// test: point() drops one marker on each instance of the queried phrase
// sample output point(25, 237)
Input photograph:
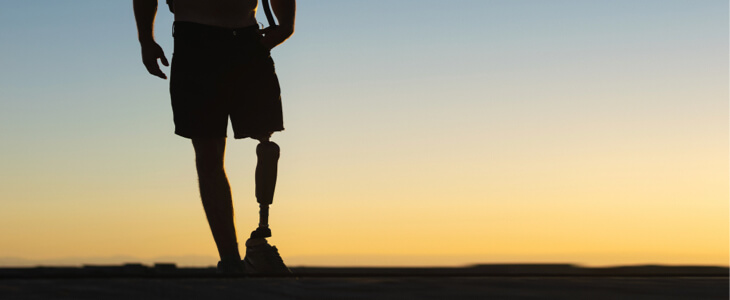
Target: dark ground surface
point(369, 288)
point(513, 281)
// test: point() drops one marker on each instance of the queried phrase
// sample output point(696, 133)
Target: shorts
point(219, 73)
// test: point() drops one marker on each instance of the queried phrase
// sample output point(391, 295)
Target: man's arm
point(285, 12)
point(144, 13)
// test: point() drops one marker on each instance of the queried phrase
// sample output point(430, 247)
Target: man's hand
point(274, 36)
point(285, 12)
point(151, 52)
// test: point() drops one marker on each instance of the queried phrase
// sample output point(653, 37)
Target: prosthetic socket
point(266, 169)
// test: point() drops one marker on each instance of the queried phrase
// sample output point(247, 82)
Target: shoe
point(264, 259)
point(231, 267)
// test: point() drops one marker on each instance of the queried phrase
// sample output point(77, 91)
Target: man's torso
point(222, 13)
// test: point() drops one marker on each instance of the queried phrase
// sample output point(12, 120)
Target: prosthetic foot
point(266, 169)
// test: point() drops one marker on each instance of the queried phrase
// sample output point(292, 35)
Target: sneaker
point(264, 259)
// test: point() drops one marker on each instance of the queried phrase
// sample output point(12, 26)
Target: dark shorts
point(219, 73)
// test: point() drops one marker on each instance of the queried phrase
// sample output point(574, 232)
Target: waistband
point(191, 28)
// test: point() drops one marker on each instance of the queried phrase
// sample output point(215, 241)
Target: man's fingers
point(154, 69)
point(265, 30)
point(158, 73)
point(274, 36)
point(150, 54)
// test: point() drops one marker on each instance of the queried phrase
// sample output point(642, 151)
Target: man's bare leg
point(216, 195)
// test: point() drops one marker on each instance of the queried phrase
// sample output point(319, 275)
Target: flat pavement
point(557, 281)
point(369, 288)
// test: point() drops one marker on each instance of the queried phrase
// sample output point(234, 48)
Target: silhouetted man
point(222, 68)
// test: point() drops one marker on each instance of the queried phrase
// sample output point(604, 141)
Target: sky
point(418, 132)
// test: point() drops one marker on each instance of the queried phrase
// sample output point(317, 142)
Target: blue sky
point(393, 110)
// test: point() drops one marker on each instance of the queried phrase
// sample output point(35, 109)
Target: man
point(222, 68)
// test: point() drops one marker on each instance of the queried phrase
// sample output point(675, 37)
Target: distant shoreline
point(169, 270)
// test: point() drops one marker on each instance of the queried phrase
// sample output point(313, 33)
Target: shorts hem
point(250, 134)
point(191, 136)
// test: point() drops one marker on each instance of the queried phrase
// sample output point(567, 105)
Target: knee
point(209, 157)
point(268, 150)
point(209, 147)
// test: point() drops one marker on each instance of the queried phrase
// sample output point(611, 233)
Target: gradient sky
point(419, 132)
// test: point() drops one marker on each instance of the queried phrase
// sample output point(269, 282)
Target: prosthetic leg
point(262, 258)
point(266, 169)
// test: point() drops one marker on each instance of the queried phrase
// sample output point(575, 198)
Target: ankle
point(231, 256)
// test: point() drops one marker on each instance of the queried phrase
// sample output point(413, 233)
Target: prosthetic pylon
point(266, 169)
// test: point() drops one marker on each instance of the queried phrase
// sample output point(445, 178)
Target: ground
point(369, 288)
